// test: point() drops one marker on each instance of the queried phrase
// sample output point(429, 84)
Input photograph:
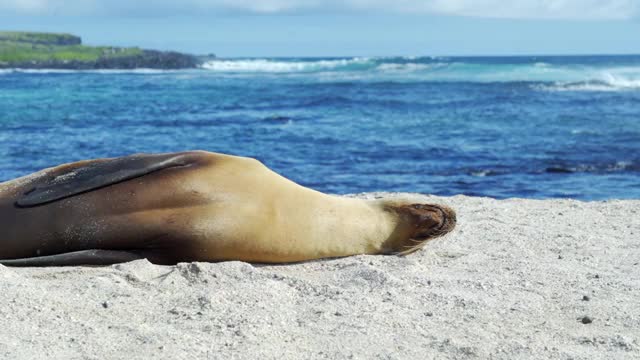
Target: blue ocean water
point(534, 127)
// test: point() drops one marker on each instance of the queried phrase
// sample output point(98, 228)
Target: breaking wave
point(286, 66)
point(540, 73)
point(547, 75)
point(607, 82)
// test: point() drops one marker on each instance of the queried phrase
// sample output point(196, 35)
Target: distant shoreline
point(32, 50)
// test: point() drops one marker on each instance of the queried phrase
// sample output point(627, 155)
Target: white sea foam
point(620, 166)
point(282, 66)
point(358, 64)
point(585, 132)
point(603, 86)
point(596, 79)
point(579, 87)
point(480, 173)
point(566, 77)
point(630, 81)
point(407, 67)
point(547, 76)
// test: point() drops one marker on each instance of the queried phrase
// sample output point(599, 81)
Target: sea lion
point(196, 206)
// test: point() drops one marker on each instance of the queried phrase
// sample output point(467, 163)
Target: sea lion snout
point(419, 223)
point(431, 220)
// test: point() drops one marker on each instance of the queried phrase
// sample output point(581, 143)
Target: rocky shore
point(150, 59)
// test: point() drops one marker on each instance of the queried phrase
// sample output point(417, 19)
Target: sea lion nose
point(430, 217)
point(421, 223)
point(433, 220)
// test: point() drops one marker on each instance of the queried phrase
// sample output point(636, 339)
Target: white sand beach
point(517, 279)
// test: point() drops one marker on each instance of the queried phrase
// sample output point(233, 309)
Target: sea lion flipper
point(74, 180)
point(84, 257)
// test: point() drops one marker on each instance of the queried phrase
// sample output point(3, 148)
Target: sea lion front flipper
point(98, 174)
point(84, 257)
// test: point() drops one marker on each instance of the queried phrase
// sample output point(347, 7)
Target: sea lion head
point(417, 224)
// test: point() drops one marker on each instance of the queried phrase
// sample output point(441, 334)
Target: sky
point(255, 28)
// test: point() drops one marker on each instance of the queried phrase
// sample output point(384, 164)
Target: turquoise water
point(535, 127)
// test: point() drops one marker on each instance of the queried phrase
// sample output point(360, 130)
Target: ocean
point(531, 127)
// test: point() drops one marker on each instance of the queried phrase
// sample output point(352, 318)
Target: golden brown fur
point(218, 207)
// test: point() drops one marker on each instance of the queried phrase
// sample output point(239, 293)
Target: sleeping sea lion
point(196, 206)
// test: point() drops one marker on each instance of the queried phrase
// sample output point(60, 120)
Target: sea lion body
point(196, 206)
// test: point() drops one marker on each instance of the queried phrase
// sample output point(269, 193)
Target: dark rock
point(558, 170)
point(150, 59)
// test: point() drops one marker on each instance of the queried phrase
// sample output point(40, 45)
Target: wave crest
point(548, 75)
point(542, 74)
point(607, 81)
point(283, 66)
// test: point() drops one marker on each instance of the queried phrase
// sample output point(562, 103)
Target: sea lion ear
point(94, 175)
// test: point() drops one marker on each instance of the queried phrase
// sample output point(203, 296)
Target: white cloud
point(37, 7)
point(510, 9)
point(536, 9)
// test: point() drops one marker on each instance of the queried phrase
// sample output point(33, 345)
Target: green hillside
point(16, 47)
point(35, 50)
point(40, 38)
